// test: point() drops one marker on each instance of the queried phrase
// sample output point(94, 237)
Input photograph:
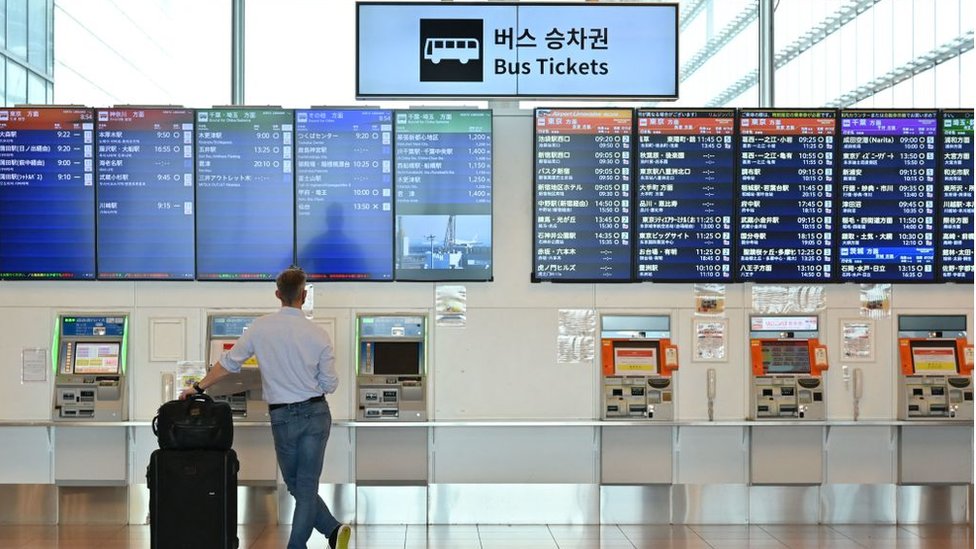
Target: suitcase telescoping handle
point(199, 397)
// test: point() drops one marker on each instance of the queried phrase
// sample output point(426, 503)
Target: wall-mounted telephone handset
point(710, 389)
point(167, 387)
point(858, 391)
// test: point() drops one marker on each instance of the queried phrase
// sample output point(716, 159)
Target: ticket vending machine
point(391, 368)
point(639, 362)
point(90, 362)
point(936, 367)
point(243, 390)
point(788, 366)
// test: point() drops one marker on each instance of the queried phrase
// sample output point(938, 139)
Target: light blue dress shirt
point(294, 355)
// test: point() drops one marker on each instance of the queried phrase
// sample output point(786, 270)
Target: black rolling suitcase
point(193, 499)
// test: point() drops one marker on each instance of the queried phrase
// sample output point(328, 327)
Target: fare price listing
point(684, 195)
point(582, 194)
point(443, 162)
point(245, 193)
point(47, 194)
point(888, 195)
point(957, 196)
point(145, 193)
point(344, 179)
point(786, 190)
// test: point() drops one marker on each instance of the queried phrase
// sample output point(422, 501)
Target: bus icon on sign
point(451, 50)
point(456, 49)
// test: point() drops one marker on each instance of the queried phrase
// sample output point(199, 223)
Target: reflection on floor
point(530, 537)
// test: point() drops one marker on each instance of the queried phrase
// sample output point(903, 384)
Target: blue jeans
point(300, 434)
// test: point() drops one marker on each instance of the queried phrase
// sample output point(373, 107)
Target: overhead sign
point(516, 50)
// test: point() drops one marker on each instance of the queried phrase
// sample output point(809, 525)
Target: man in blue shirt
point(297, 367)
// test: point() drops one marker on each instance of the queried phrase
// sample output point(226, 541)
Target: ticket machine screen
point(786, 357)
point(96, 358)
point(934, 357)
point(396, 358)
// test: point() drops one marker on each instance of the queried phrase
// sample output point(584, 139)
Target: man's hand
point(189, 391)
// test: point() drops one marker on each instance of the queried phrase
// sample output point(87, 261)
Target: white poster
point(33, 364)
point(710, 335)
point(857, 340)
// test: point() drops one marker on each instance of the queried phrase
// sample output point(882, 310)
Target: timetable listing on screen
point(144, 194)
point(685, 174)
point(47, 193)
point(245, 193)
point(957, 196)
point(786, 195)
point(887, 210)
point(443, 194)
point(583, 194)
point(344, 186)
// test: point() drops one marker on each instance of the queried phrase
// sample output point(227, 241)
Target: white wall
point(502, 365)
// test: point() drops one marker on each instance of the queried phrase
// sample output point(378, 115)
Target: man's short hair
point(290, 283)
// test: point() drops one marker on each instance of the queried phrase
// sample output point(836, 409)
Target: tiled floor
point(530, 537)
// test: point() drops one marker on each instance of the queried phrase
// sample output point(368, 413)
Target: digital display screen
point(47, 193)
point(145, 193)
point(245, 193)
point(783, 323)
point(957, 196)
point(786, 357)
point(583, 195)
point(96, 358)
point(396, 358)
point(344, 186)
point(516, 50)
point(685, 175)
point(75, 326)
point(887, 223)
point(786, 193)
point(443, 195)
point(934, 357)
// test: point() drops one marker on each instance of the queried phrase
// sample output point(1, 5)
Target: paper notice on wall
point(452, 305)
point(33, 364)
point(876, 300)
point(777, 300)
point(709, 299)
point(189, 372)
point(576, 341)
point(710, 338)
point(857, 340)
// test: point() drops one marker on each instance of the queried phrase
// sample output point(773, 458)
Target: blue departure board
point(443, 194)
point(245, 193)
point(786, 195)
point(888, 170)
point(957, 196)
point(685, 174)
point(47, 193)
point(583, 195)
point(344, 188)
point(145, 193)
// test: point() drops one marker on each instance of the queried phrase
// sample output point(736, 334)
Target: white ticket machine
point(936, 368)
point(90, 362)
point(242, 390)
point(639, 362)
point(788, 367)
point(391, 369)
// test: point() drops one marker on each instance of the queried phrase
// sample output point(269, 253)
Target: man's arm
point(213, 376)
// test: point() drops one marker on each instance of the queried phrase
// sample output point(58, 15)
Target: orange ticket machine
point(935, 368)
point(639, 362)
point(788, 366)
point(243, 390)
